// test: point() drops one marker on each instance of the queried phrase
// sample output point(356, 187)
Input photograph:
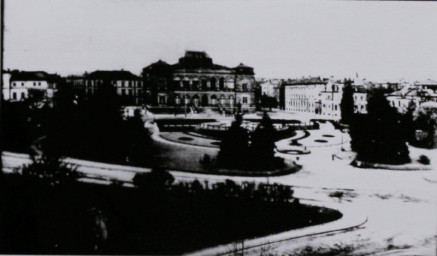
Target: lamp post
point(185, 99)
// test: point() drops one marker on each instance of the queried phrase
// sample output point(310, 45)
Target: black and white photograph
point(247, 127)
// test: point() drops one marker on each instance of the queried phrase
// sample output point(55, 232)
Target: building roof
point(412, 92)
point(111, 75)
point(359, 89)
point(244, 69)
point(427, 82)
point(305, 81)
point(196, 61)
point(33, 76)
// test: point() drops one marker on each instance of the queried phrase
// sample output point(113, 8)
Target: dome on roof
point(243, 69)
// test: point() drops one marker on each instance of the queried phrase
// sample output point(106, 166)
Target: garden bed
point(400, 167)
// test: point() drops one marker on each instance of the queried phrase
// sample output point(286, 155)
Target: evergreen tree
point(234, 147)
point(262, 146)
point(408, 121)
point(347, 102)
point(139, 144)
point(425, 122)
point(380, 135)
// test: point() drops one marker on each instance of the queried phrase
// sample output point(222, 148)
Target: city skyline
point(377, 40)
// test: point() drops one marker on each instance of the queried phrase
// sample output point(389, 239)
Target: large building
point(303, 95)
point(21, 85)
point(196, 81)
point(127, 85)
point(321, 96)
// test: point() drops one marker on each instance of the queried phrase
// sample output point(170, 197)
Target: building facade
point(333, 94)
point(196, 81)
point(321, 97)
point(304, 95)
point(127, 85)
point(271, 88)
point(21, 85)
point(416, 95)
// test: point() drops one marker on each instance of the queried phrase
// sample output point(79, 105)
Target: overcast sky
point(379, 40)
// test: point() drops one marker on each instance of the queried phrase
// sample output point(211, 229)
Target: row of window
point(115, 83)
point(22, 84)
point(205, 100)
point(14, 95)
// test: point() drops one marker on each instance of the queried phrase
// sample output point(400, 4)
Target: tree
point(50, 169)
point(234, 148)
point(408, 121)
point(64, 125)
point(347, 102)
point(262, 147)
point(138, 142)
point(101, 127)
point(268, 102)
point(379, 136)
point(426, 122)
point(157, 180)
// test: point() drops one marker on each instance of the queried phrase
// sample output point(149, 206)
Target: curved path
point(401, 206)
point(347, 223)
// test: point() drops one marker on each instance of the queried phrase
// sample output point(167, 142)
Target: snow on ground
point(401, 206)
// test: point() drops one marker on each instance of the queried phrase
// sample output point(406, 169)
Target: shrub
point(157, 179)
point(424, 160)
point(49, 169)
point(206, 161)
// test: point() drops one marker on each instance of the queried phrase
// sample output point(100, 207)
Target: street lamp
point(185, 99)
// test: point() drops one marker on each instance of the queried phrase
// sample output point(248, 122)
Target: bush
point(424, 160)
point(206, 161)
point(50, 169)
point(156, 180)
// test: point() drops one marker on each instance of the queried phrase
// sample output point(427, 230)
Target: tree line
point(243, 150)
point(90, 128)
point(381, 135)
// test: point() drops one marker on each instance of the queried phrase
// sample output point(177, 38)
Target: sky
point(379, 40)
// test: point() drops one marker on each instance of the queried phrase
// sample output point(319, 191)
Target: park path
point(401, 206)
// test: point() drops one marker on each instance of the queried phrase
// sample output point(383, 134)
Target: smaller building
point(21, 85)
point(127, 85)
point(416, 95)
point(270, 87)
point(332, 96)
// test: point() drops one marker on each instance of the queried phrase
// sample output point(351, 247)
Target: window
point(22, 84)
point(244, 87)
point(14, 96)
point(244, 99)
point(23, 95)
point(39, 83)
point(123, 92)
point(161, 99)
point(34, 84)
